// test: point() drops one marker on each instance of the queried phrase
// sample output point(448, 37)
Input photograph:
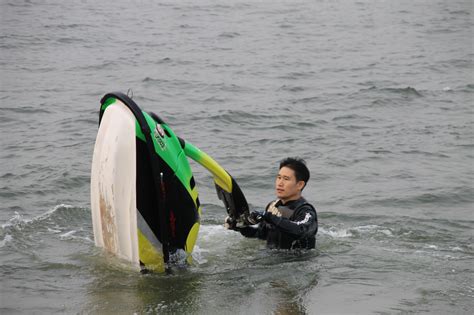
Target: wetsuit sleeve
point(257, 232)
point(248, 231)
point(304, 224)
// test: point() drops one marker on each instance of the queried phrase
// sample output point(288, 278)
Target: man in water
point(290, 221)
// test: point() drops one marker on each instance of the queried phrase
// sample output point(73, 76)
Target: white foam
point(364, 228)
point(197, 255)
point(336, 233)
point(18, 219)
point(48, 213)
point(71, 235)
point(349, 232)
point(15, 220)
point(373, 228)
point(8, 238)
point(209, 232)
point(67, 234)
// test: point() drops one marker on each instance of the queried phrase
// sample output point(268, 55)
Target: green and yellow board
point(144, 199)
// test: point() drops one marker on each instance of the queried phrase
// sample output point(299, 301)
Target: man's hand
point(229, 223)
point(255, 217)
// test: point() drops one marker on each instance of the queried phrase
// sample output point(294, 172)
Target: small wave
point(86, 121)
point(229, 35)
point(152, 80)
point(460, 12)
point(468, 88)
point(16, 220)
point(380, 151)
point(311, 100)
point(67, 181)
point(297, 75)
point(8, 193)
point(352, 127)
point(67, 234)
point(312, 124)
point(21, 5)
point(148, 79)
point(59, 215)
point(335, 232)
point(63, 222)
point(352, 117)
point(371, 229)
point(28, 110)
point(75, 235)
point(356, 231)
point(406, 91)
point(70, 40)
point(426, 153)
point(452, 197)
point(98, 66)
point(173, 84)
point(238, 116)
point(164, 61)
point(8, 238)
point(293, 89)
point(215, 100)
point(442, 253)
point(66, 26)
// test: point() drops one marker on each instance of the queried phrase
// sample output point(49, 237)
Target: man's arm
point(247, 231)
point(253, 232)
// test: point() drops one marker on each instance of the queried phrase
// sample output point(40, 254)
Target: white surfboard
point(113, 177)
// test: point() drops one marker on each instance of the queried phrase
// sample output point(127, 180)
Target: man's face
point(286, 186)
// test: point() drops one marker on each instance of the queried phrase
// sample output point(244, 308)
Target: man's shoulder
point(302, 202)
point(304, 205)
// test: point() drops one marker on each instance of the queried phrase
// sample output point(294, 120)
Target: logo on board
point(159, 136)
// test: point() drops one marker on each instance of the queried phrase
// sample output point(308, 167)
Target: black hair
point(298, 165)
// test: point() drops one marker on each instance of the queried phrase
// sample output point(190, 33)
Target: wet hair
point(298, 165)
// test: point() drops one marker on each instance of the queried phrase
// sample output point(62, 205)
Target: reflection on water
point(287, 298)
point(268, 280)
point(116, 288)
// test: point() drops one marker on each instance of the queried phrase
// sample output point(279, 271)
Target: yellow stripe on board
point(191, 240)
point(149, 255)
point(221, 177)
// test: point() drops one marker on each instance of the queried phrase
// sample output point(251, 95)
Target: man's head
point(291, 179)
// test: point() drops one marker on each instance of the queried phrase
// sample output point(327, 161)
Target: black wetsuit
point(295, 226)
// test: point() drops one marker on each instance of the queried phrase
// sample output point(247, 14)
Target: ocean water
point(377, 96)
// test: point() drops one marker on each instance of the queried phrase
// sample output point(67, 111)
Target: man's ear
point(300, 185)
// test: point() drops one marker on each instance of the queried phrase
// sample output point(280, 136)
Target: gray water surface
point(377, 96)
